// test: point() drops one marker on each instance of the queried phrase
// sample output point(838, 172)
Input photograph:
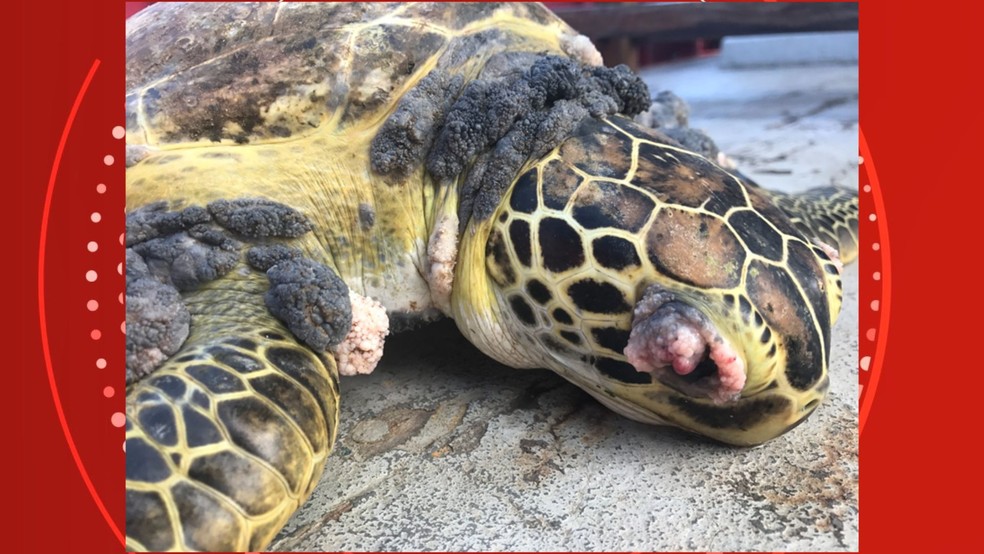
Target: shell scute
point(388, 56)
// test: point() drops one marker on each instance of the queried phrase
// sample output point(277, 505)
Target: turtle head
point(657, 282)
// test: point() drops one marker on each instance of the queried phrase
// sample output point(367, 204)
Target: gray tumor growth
point(311, 300)
point(178, 251)
point(262, 258)
point(404, 138)
point(259, 218)
point(157, 321)
point(670, 114)
point(170, 252)
point(532, 137)
point(154, 220)
point(190, 258)
point(488, 109)
point(520, 107)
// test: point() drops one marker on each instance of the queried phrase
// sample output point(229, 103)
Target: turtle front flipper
point(232, 400)
point(826, 214)
point(227, 439)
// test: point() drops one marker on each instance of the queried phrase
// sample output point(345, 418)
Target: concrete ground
point(444, 449)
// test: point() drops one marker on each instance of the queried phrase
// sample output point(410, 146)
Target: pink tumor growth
point(669, 340)
point(678, 345)
point(831, 253)
point(362, 348)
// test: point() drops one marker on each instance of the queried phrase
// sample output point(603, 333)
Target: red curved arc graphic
point(885, 299)
point(42, 249)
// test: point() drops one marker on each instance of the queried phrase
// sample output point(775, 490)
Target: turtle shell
point(261, 72)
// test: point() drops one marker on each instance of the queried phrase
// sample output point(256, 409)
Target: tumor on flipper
point(362, 347)
point(157, 321)
point(190, 258)
point(311, 300)
point(155, 220)
point(259, 218)
point(180, 248)
point(262, 258)
point(168, 252)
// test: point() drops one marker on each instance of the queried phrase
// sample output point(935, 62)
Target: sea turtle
point(304, 178)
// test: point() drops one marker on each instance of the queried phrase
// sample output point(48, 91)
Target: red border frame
point(918, 100)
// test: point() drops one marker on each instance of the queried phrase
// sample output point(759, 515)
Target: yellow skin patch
point(327, 189)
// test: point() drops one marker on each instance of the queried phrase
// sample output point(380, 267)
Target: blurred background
point(646, 33)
